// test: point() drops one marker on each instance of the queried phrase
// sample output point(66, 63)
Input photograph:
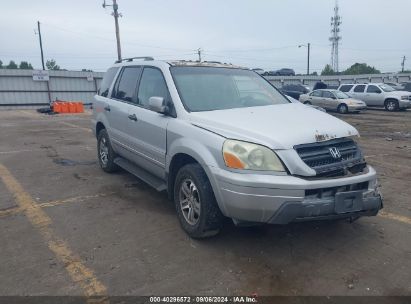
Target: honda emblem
point(335, 153)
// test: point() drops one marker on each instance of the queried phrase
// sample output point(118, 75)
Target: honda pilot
point(223, 142)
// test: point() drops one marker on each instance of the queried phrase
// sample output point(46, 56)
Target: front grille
point(319, 156)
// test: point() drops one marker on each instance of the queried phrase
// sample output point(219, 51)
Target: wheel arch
point(186, 153)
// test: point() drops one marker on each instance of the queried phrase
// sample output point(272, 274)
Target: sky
point(264, 34)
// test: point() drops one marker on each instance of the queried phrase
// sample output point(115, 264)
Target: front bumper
point(353, 108)
point(284, 199)
point(404, 104)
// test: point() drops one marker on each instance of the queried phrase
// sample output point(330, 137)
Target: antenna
point(335, 38)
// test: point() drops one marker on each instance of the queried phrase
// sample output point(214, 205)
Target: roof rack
point(145, 58)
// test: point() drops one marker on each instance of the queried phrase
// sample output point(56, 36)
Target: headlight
point(248, 156)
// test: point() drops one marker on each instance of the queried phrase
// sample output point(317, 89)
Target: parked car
point(396, 86)
point(223, 142)
point(295, 90)
point(407, 86)
point(259, 71)
point(283, 72)
point(310, 105)
point(378, 95)
point(333, 100)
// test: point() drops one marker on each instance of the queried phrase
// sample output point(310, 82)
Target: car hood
point(276, 126)
point(399, 93)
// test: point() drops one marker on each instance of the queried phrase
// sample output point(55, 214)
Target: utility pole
point(199, 54)
point(308, 59)
point(41, 44)
point(308, 56)
point(403, 64)
point(115, 15)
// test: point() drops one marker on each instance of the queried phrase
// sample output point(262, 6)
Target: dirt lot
point(68, 228)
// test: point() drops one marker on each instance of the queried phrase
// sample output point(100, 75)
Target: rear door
point(122, 96)
point(374, 96)
point(358, 92)
point(148, 129)
point(329, 101)
point(315, 98)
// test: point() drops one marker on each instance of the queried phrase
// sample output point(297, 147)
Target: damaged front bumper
point(285, 199)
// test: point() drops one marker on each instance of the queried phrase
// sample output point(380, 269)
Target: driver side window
point(373, 89)
point(152, 84)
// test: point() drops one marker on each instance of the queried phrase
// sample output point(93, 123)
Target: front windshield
point(210, 88)
point(341, 95)
point(386, 88)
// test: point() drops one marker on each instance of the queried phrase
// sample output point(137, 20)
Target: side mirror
point(157, 104)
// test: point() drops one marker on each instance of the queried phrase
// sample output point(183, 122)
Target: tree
point(361, 68)
point(24, 65)
point(12, 65)
point(327, 71)
point(314, 74)
point(51, 65)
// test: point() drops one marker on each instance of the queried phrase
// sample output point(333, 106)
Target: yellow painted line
point(75, 126)
point(78, 272)
point(74, 199)
point(395, 217)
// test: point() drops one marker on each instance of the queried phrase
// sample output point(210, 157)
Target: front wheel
point(342, 109)
point(391, 105)
point(195, 203)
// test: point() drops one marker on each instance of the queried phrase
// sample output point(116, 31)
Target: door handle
point(107, 108)
point(132, 117)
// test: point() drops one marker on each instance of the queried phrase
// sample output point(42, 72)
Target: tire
point(194, 195)
point(105, 153)
point(342, 108)
point(391, 105)
point(307, 103)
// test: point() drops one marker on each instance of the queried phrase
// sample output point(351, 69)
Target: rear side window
point(327, 94)
point(126, 86)
point(359, 88)
point(316, 94)
point(152, 84)
point(373, 89)
point(106, 82)
point(346, 88)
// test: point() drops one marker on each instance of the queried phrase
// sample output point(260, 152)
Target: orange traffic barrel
point(79, 107)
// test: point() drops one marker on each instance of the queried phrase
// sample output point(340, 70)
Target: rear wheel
point(342, 108)
point(105, 152)
point(391, 105)
point(196, 206)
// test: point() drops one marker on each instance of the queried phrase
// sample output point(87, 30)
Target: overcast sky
point(255, 33)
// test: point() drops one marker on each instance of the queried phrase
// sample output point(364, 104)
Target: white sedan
point(333, 100)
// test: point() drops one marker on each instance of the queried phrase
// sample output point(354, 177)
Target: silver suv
point(224, 142)
point(379, 95)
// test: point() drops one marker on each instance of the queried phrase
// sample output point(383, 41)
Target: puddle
point(69, 162)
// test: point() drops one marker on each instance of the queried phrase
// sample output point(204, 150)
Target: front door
point(374, 96)
point(148, 129)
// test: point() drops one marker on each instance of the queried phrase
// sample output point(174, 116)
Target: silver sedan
point(333, 100)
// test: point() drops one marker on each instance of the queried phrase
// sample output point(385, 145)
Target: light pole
point(308, 45)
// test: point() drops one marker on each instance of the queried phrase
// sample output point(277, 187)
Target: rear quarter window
point(107, 81)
